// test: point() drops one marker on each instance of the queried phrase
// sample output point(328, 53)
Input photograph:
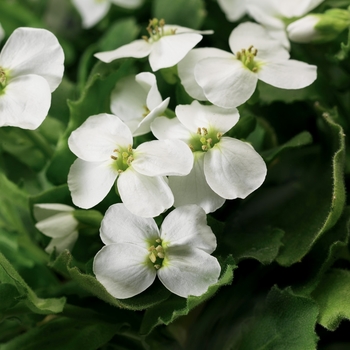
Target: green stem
point(40, 142)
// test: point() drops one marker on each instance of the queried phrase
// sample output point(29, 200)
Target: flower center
point(247, 58)
point(3, 79)
point(157, 254)
point(123, 158)
point(204, 140)
point(156, 30)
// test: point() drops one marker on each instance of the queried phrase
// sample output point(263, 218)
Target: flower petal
point(248, 33)
point(149, 83)
point(186, 69)
point(144, 195)
point(25, 102)
point(128, 4)
point(233, 168)
point(62, 243)
point(119, 225)
point(196, 116)
point(226, 82)
point(187, 226)
point(90, 182)
point(188, 271)
point(34, 51)
point(171, 49)
point(163, 157)
point(97, 138)
point(164, 128)
point(58, 225)
point(289, 74)
point(123, 270)
point(233, 9)
point(194, 189)
point(91, 11)
point(137, 49)
point(42, 211)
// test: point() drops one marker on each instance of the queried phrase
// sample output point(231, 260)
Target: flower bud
point(319, 28)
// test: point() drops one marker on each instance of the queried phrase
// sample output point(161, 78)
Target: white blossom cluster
point(193, 165)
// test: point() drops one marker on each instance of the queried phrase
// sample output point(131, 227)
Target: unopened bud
point(319, 28)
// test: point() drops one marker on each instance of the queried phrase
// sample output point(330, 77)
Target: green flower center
point(156, 30)
point(204, 140)
point(123, 158)
point(247, 57)
point(156, 254)
point(3, 79)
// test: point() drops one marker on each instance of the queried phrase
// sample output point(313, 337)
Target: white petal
point(42, 211)
point(137, 49)
point(194, 189)
point(97, 138)
point(289, 74)
point(129, 4)
point(2, 33)
point(196, 116)
point(90, 182)
point(123, 270)
point(144, 126)
point(188, 271)
point(91, 11)
point(187, 226)
point(62, 243)
point(233, 168)
point(25, 102)
point(267, 13)
point(186, 69)
point(233, 9)
point(297, 8)
point(144, 195)
point(149, 84)
point(303, 30)
point(171, 49)
point(119, 225)
point(58, 225)
point(248, 33)
point(225, 82)
point(181, 30)
point(164, 128)
point(34, 51)
point(161, 158)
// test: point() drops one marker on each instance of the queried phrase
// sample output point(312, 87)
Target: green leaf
point(95, 99)
point(67, 266)
point(332, 296)
point(174, 307)
point(245, 126)
point(343, 53)
point(302, 139)
point(287, 321)
point(173, 12)
point(64, 333)
point(28, 299)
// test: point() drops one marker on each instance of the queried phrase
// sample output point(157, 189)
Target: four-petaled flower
point(137, 101)
point(166, 45)
point(230, 79)
point(92, 11)
point(57, 221)
point(103, 144)
point(137, 251)
point(31, 67)
point(224, 168)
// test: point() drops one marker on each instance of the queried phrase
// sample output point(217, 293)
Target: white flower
point(303, 30)
point(166, 46)
point(92, 11)
point(137, 101)
point(233, 9)
point(31, 67)
point(230, 81)
point(224, 168)
point(2, 33)
point(274, 14)
point(137, 251)
point(103, 144)
point(57, 221)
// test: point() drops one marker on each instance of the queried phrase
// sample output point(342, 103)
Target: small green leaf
point(287, 321)
point(169, 310)
point(333, 298)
